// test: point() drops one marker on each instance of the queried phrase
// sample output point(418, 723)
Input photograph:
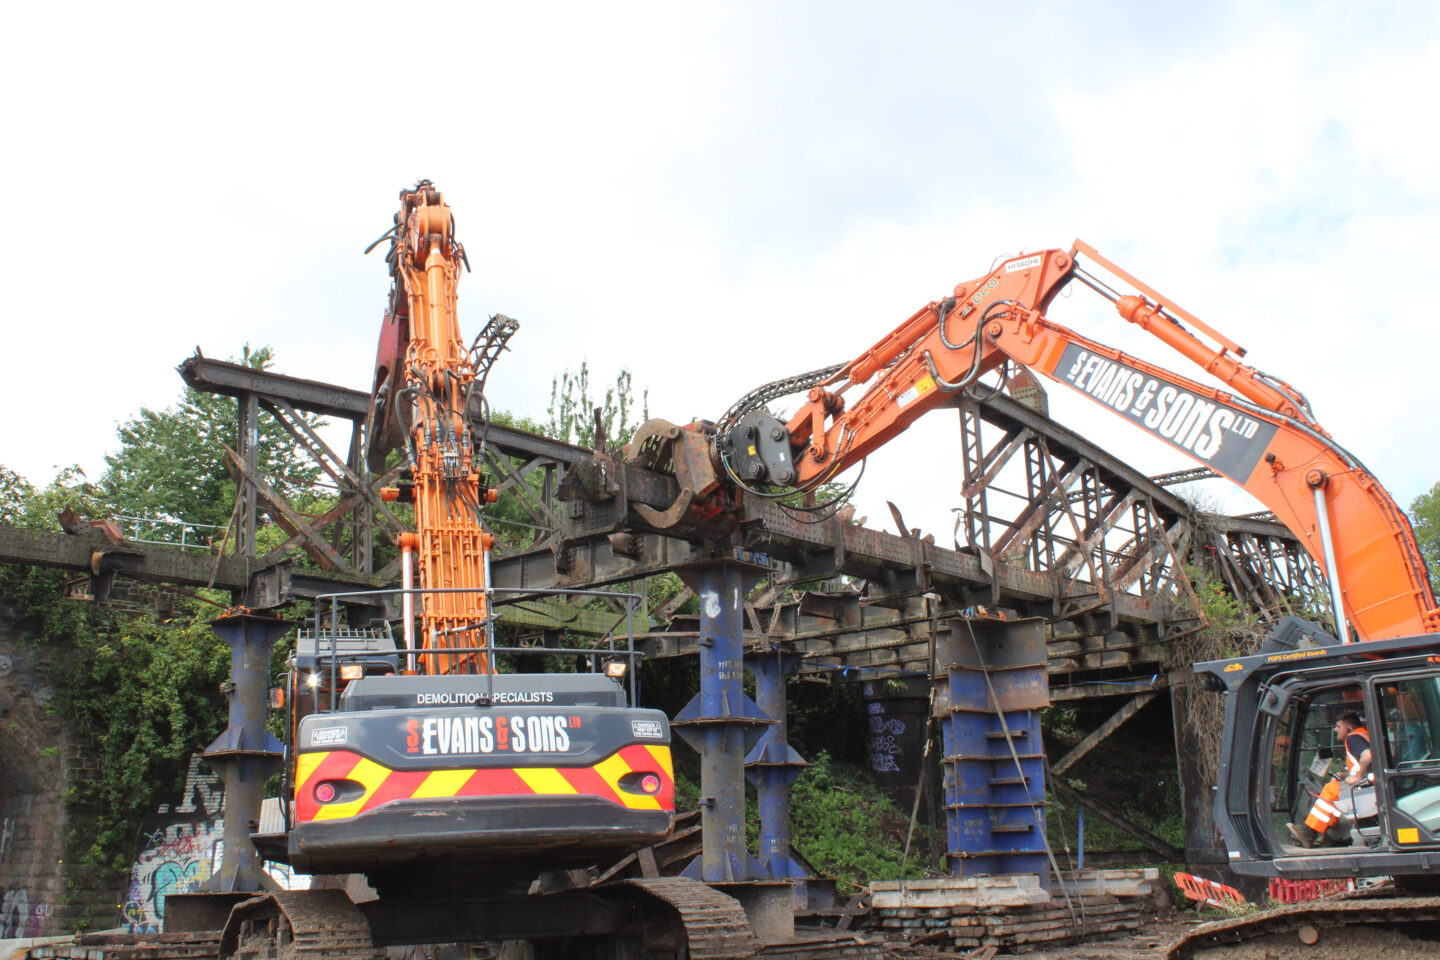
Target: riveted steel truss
point(1038, 495)
point(1050, 525)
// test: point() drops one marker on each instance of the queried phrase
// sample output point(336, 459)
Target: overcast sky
point(716, 195)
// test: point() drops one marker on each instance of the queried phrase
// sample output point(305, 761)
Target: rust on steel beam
point(275, 585)
point(830, 630)
point(779, 536)
point(1105, 812)
point(286, 516)
point(1086, 535)
point(846, 630)
point(238, 380)
point(1075, 524)
point(868, 552)
point(157, 563)
point(312, 396)
point(1102, 688)
point(287, 399)
point(43, 548)
point(340, 471)
point(1188, 475)
point(1018, 422)
point(1008, 414)
point(1093, 739)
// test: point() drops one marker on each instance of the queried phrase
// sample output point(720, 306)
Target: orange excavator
point(1282, 703)
point(450, 783)
point(1260, 433)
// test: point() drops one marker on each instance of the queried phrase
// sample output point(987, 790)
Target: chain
point(776, 388)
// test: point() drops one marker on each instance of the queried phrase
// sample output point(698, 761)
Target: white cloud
point(716, 198)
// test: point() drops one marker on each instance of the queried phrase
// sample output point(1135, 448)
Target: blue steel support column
point(994, 798)
point(246, 754)
point(722, 723)
point(773, 765)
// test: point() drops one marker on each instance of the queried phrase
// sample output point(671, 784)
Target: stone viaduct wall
point(40, 757)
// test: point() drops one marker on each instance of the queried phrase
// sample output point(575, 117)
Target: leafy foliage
point(1225, 616)
point(571, 414)
point(171, 463)
point(148, 691)
point(843, 825)
point(26, 506)
point(1425, 511)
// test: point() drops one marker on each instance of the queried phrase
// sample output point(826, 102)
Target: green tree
point(1425, 512)
point(171, 463)
point(15, 491)
point(571, 414)
point(23, 505)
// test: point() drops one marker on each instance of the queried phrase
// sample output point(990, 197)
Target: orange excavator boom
point(1260, 431)
point(423, 403)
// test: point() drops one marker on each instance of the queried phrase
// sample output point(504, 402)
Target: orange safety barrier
point(1208, 892)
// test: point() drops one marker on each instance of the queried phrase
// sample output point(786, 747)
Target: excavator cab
point(1307, 755)
point(1279, 750)
point(327, 659)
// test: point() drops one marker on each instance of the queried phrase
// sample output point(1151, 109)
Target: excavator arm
point(429, 387)
point(1260, 433)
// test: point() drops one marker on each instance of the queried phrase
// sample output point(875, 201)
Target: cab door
point(1405, 749)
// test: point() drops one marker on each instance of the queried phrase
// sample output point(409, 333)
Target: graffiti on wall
point(181, 848)
point(178, 850)
point(24, 911)
point(17, 919)
point(884, 750)
point(176, 859)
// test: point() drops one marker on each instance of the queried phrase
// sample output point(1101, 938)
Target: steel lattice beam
point(1053, 527)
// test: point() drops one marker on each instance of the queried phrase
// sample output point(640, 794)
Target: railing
point(328, 638)
point(173, 533)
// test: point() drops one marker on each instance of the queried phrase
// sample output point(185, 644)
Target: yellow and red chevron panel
point(354, 784)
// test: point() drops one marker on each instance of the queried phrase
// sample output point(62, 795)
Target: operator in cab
point(1330, 808)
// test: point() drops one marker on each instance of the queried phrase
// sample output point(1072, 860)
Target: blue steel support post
point(722, 723)
point(772, 766)
point(994, 767)
point(245, 754)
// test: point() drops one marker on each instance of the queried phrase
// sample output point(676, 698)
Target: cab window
point(1410, 713)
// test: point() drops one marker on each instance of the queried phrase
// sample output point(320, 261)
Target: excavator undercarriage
point(668, 918)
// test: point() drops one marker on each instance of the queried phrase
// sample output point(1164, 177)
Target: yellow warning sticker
point(1297, 654)
point(751, 450)
point(921, 387)
point(1407, 835)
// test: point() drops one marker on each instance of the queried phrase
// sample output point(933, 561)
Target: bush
point(847, 829)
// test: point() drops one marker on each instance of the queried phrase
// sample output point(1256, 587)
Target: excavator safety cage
point(328, 637)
